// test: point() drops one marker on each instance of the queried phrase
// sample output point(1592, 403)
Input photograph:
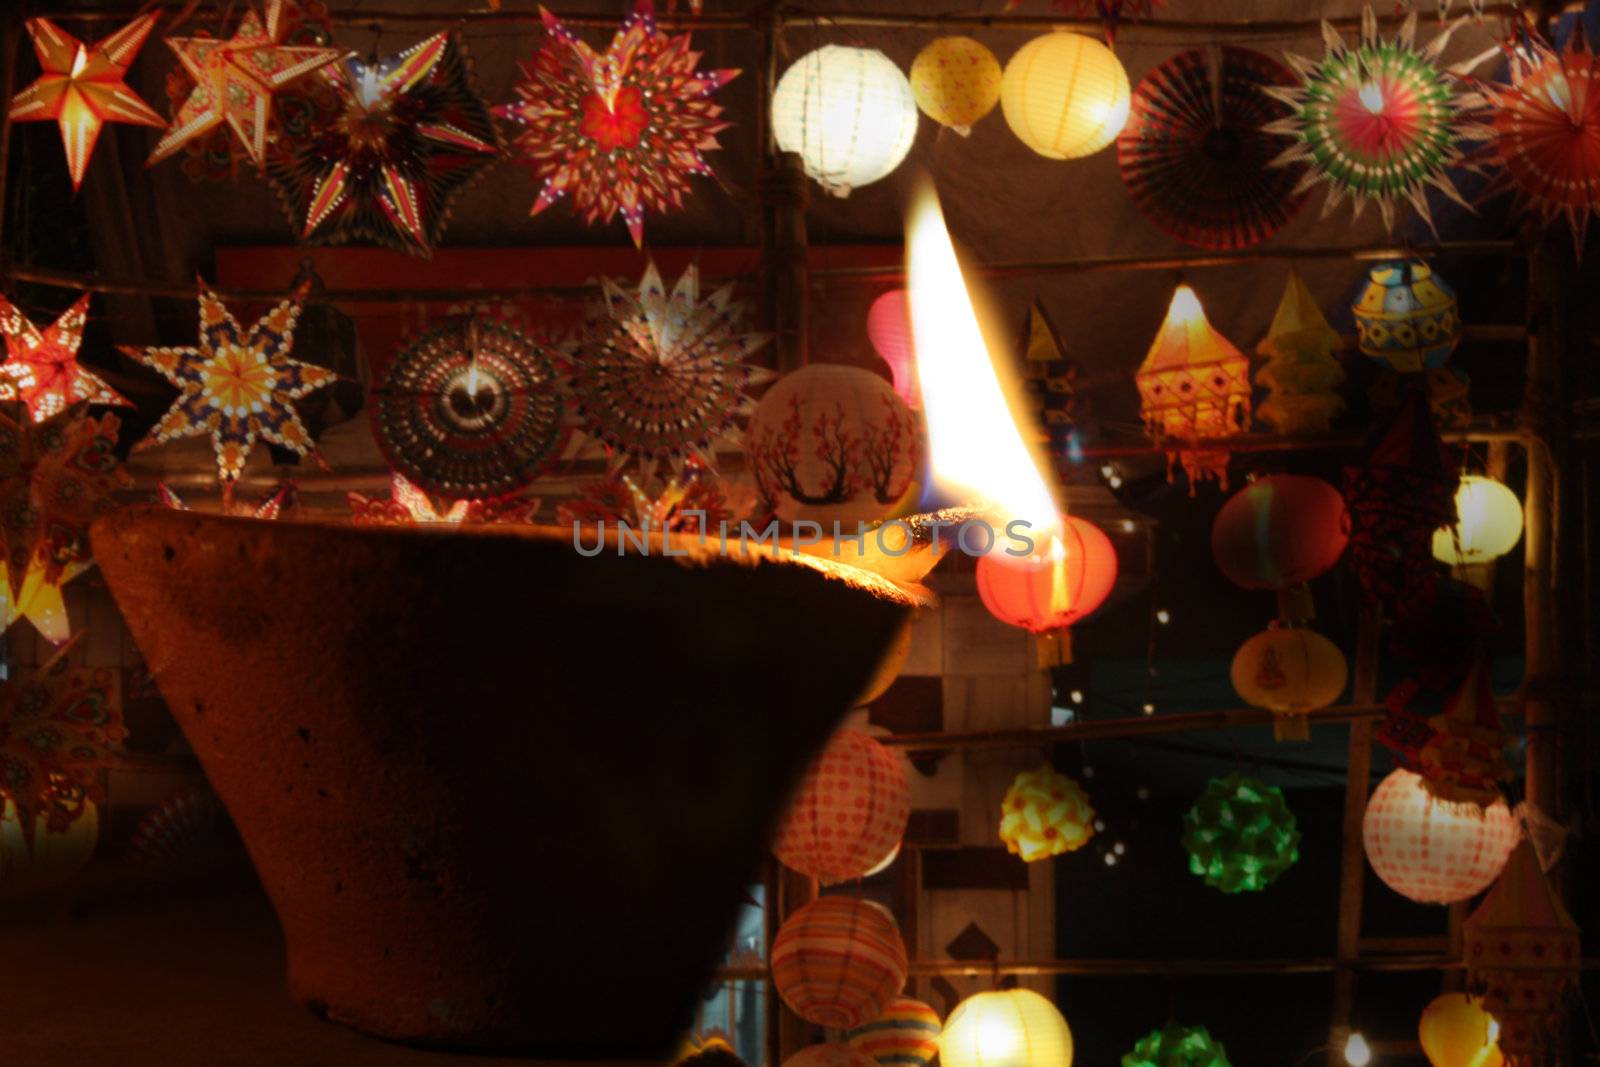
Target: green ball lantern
point(1240, 834)
point(1177, 1046)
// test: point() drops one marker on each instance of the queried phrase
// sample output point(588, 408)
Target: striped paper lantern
point(849, 812)
point(907, 1035)
point(828, 1056)
point(839, 962)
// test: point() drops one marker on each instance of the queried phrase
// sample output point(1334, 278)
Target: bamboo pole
point(1352, 856)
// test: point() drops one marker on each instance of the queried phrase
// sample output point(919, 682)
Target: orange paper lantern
point(1194, 383)
point(839, 962)
point(1065, 578)
point(1456, 1031)
point(1289, 670)
point(907, 1035)
point(1280, 531)
point(830, 1055)
point(849, 812)
point(1430, 850)
point(889, 330)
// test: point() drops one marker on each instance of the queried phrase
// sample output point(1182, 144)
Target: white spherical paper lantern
point(848, 112)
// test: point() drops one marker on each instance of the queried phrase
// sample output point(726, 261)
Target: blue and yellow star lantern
point(236, 386)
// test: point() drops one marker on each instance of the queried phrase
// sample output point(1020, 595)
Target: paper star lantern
point(81, 87)
point(1194, 155)
point(41, 367)
point(620, 130)
point(410, 133)
point(1110, 12)
point(1543, 132)
point(58, 732)
point(689, 504)
point(1194, 383)
point(661, 377)
point(1240, 835)
point(55, 478)
point(1045, 814)
point(406, 505)
point(235, 81)
point(473, 409)
point(1302, 373)
point(269, 507)
point(1177, 1046)
point(1377, 122)
point(236, 387)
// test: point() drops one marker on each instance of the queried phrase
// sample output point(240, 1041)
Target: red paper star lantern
point(41, 367)
point(236, 79)
point(82, 88)
point(620, 130)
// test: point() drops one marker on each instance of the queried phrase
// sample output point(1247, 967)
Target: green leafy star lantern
point(1240, 834)
point(1175, 1045)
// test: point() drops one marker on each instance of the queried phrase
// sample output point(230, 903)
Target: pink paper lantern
point(889, 330)
point(1430, 850)
point(849, 812)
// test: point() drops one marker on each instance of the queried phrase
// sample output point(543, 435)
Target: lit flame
point(976, 451)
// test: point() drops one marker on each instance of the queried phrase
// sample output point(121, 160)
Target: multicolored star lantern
point(620, 130)
point(1377, 122)
point(235, 80)
point(82, 88)
point(58, 731)
point(410, 134)
point(236, 386)
point(56, 476)
point(41, 367)
point(1543, 132)
point(407, 505)
point(269, 507)
point(660, 377)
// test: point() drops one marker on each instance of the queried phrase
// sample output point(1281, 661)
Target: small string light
point(1357, 1053)
point(1114, 482)
point(1119, 848)
point(1108, 471)
point(1143, 792)
point(1129, 526)
point(1163, 616)
point(1088, 772)
point(1099, 826)
point(1077, 696)
point(1111, 859)
point(1149, 709)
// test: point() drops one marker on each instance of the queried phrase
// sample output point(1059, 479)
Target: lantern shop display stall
point(740, 533)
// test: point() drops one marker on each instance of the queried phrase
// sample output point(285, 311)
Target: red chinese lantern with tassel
point(1064, 579)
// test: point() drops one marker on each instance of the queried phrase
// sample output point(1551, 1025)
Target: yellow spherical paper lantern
point(1456, 1031)
point(848, 112)
point(1045, 814)
point(1289, 670)
point(1488, 525)
point(1065, 95)
point(1011, 1028)
point(956, 82)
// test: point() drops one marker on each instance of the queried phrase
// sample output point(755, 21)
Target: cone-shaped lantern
point(1301, 371)
point(1521, 950)
point(1194, 384)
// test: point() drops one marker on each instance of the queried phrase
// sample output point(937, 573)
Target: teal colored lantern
point(1240, 834)
point(1406, 316)
point(1177, 1046)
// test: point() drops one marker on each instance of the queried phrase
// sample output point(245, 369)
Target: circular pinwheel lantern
point(1240, 834)
point(471, 409)
point(1194, 155)
point(1065, 95)
point(1430, 850)
point(849, 812)
point(907, 1035)
point(839, 962)
point(1406, 316)
point(1177, 1046)
point(1045, 814)
point(1488, 523)
point(1376, 121)
point(1007, 1028)
point(956, 81)
point(848, 112)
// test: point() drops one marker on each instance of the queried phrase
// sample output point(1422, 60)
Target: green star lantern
point(1240, 834)
point(1175, 1045)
